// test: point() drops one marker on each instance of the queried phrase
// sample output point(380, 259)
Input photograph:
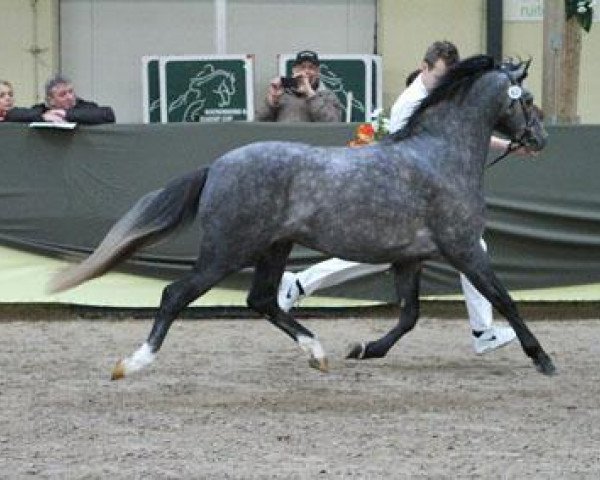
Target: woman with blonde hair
point(7, 98)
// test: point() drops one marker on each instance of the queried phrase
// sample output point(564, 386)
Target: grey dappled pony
point(416, 195)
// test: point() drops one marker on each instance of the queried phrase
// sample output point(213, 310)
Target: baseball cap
point(307, 56)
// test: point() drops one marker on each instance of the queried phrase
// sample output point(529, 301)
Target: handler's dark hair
point(441, 50)
point(456, 82)
point(412, 76)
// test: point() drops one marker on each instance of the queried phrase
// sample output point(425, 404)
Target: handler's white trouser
point(335, 271)
point(478, 307)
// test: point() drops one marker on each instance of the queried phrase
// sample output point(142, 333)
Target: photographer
point(300, 98)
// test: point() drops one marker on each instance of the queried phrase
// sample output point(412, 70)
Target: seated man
point(305, 101)
point(62, 105)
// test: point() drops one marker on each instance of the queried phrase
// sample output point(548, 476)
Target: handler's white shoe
point(492, 338)
point(290, 291)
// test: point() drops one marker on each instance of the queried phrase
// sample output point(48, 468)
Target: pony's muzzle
point(536, 143)
point(535, 138)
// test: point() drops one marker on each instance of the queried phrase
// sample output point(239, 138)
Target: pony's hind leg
point(176, 296)
point(263, 299)
point(406, 277)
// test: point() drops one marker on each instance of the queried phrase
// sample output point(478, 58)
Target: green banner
point(207, 88)
point(62, 190)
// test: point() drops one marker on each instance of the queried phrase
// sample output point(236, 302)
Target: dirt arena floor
point(235, 399)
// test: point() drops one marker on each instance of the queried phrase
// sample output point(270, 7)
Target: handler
point(439, 57)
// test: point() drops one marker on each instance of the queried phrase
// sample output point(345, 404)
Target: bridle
point(515, 92)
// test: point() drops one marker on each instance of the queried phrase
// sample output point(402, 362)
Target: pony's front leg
point(501, 300)
point(263, 299)
point(406, 277)
point(480, 274)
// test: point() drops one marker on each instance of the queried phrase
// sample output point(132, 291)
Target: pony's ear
point(520, 72)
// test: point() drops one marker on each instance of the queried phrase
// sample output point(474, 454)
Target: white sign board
point(531, 11)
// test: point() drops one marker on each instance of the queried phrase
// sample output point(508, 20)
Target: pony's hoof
point(545, 366)
point(118, 371)
point(356, 350)
point(320, 364)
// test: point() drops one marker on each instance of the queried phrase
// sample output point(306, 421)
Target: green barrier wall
point(61, 190)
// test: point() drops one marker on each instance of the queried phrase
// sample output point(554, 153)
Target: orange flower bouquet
point(367, 133)
point(364, 135)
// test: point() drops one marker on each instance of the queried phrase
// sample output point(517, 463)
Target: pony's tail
point(154, 216)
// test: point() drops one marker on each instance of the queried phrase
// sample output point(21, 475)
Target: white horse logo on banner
point(335, 83)
point(194, 99)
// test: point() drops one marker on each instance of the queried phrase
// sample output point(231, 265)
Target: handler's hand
point(501, 144)
point(526, 152)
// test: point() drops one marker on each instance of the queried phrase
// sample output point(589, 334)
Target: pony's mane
point(457, 81)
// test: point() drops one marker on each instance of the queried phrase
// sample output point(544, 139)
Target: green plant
point(582, 10)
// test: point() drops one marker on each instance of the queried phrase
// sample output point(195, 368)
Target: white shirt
point(406, 103)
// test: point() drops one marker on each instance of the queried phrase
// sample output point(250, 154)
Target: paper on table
point(62, 126)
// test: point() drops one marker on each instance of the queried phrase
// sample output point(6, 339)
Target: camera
point(289, 82)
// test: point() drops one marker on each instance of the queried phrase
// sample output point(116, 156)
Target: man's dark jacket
point(84, 112)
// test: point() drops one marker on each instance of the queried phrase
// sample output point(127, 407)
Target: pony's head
point(514, 113)
point(520, 119)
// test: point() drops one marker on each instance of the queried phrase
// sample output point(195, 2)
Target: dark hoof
point(356, 350)
point(544, 365)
